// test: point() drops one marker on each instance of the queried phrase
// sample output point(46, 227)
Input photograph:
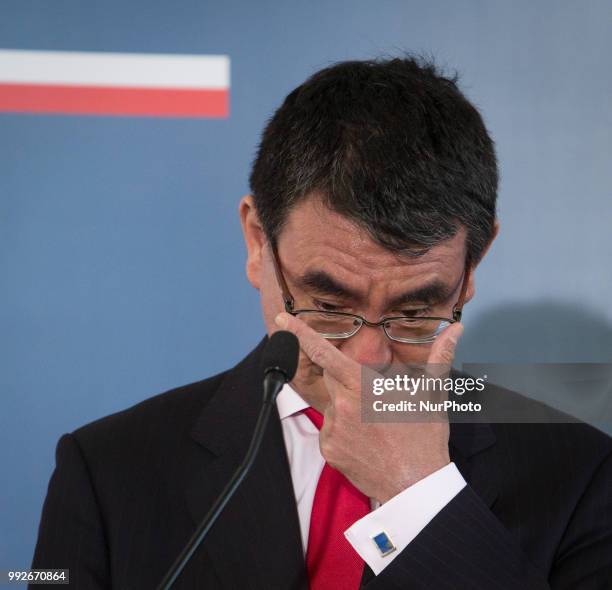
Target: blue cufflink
point(383, 544)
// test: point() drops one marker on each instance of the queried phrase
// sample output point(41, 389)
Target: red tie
point(331, 561)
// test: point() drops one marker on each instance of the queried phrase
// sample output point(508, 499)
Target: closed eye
point(323, 305)
point(414, 313)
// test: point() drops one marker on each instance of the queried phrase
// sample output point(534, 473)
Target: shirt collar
point(289, 402)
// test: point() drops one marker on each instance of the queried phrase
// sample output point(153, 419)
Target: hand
point(380, 459)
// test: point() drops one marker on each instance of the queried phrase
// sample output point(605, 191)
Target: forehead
point(316, 237)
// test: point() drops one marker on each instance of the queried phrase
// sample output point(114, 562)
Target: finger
point(443, 349)
point(320, 351)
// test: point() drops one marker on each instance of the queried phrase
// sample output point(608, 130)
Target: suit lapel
point(256, 541)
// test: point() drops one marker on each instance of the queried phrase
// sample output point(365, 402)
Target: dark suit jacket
point(128, 491)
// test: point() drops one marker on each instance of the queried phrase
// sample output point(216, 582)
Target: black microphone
point(280, 361)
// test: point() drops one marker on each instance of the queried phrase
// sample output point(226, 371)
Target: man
point(373, 201)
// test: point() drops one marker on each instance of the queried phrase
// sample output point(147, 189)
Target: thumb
point(443, 349)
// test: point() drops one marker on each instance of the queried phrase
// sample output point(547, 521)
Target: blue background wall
point(120, 253)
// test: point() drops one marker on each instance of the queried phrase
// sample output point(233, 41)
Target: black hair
point(391, 144)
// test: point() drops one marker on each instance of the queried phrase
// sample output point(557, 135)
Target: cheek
point(271, 298)
point(307, 369)
point(271, 306)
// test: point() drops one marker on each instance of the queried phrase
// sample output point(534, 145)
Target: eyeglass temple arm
point(287, 297)
point(458, 308)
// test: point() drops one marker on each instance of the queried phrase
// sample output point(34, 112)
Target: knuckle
point(447, 353)
point(446, 358)
point(342, 405)
point(318, 356)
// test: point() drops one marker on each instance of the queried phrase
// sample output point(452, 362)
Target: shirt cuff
point(403, 517)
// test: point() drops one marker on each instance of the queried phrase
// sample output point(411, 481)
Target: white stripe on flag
point(137, 70)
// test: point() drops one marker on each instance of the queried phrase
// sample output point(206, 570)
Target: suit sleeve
point(585, 555)
point(71, 534)
point(465, 546)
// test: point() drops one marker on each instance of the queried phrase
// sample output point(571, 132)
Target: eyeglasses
point(338, 324)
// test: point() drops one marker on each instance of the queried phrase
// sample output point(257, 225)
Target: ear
point(254, 239)
point(471, 289)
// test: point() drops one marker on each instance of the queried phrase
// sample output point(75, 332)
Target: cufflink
point(383, 543)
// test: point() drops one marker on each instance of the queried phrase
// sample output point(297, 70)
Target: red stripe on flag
point(97, 100)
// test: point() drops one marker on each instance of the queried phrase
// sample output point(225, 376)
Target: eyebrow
point(324, 284)
point(434, 292)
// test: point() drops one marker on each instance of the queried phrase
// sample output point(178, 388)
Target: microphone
point(280, 361)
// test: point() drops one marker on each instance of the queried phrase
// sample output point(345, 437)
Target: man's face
point(330, 263)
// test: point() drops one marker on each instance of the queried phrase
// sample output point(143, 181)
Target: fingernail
point(281, 320)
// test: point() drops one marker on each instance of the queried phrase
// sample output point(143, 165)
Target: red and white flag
point(87, 83)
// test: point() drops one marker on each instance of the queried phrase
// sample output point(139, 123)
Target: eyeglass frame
point(289, 302)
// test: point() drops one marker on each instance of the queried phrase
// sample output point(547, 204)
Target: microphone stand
point(273, 383)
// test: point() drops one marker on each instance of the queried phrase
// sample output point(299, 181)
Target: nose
point(370, 346)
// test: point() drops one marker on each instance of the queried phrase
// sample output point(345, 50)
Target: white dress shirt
point(401, 518)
